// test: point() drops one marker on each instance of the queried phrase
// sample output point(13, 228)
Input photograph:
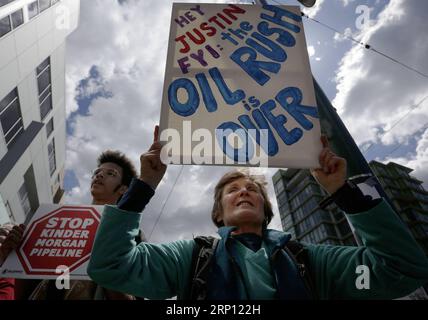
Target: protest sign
point(238, 88)
point(55, 237)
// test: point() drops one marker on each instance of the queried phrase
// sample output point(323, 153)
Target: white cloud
point(128, 61)
point(345, 3)
point(374, 93)
point(420, 161)
point(342, 37)
point(376, 98)
point(311, 51)
point(417, 161)
point(312, 12)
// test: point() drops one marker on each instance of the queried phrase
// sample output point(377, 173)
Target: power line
point(369, 47)
point(362, 44)
point(413, 108)
point(396, 61)
point(424, 127)
point(165, 202)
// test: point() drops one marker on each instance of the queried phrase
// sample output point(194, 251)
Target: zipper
point(271, 260)
point(239, 271)
point(302, 271)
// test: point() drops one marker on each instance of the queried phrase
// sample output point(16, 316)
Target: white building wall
point(21, 51)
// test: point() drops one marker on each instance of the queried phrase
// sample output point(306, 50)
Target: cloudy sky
point(115, 70)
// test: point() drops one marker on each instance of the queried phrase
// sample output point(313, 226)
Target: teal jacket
point(397, 265)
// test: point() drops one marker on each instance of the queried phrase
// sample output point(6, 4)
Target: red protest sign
point(60, 237)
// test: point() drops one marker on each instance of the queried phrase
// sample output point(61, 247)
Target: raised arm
point(390, 258)
point(147, 270)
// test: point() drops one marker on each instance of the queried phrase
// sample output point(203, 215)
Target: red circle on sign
point(63, 237)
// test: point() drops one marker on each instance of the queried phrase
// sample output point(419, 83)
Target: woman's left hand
point(332, 174)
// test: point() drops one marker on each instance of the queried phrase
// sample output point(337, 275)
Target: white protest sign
point(238, 88)
point(56, 237)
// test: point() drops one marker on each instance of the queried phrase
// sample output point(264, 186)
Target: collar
point(273, 239)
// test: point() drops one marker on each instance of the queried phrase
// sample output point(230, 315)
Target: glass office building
point(298, 196)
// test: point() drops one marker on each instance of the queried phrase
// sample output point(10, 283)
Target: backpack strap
point(203, 252)
point(299, 254)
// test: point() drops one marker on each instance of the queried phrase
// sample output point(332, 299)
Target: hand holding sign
point(152, 168)
point(332, 174)
point(56, 237)
point(10, 238)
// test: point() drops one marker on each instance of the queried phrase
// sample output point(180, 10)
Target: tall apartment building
point(408, 196)
point(298, 196)
point(32, 103)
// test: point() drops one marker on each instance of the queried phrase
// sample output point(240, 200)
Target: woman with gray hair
point(250, 261)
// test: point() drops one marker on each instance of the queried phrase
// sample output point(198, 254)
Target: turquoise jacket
point(397, 265)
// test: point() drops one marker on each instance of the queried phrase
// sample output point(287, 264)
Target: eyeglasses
point(112, 173)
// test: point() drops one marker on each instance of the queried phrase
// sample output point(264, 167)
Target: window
point(43, 66)
point(324, 216)
point(381, 170)
point(331, 231)
point(5, 26)
point(25, 201)
point(298, 187)
point(284, 208)
point(11, 118)
point(310, 205)
point(9, 212)
point(49, 127)
point(279, 186)
point(45, 88)
point(5, 2)
point(56, 186)
point(17, 18)
point(51, 155)
point(45, 107)
point(294, 204)
point(8, 99)
point(282, 198)
point(44, 81)
point(287, 222)
point(44, 4)
point(33, 9)
point(10, 22)
point(307, 224)
point(298, 215)
point(344, 228)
